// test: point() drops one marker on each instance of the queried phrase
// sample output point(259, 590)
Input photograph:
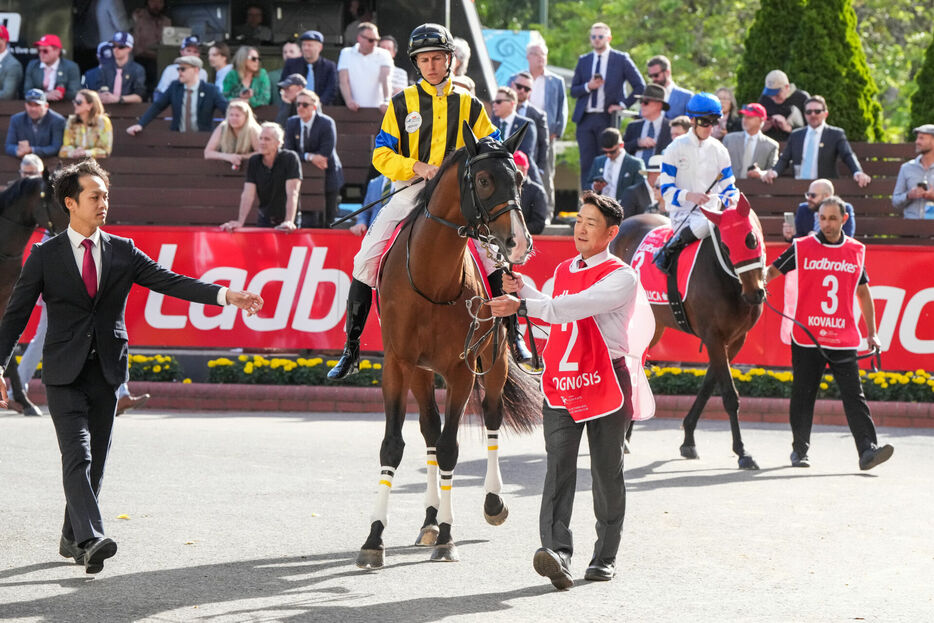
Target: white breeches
point(695, 220)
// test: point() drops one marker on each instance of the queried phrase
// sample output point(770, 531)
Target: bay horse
point(26, 204)
point(724, 302)
point(429, 293)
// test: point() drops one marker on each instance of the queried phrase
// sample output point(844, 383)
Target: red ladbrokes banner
point(304, 277)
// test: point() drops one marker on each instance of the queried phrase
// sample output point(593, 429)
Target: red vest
point(579, 374)
point(828, 276)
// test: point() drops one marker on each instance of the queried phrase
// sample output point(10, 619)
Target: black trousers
point(809, 365)
point(562, 440)
point(83, 413)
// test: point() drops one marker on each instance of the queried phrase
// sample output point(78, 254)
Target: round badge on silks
point(413, 121)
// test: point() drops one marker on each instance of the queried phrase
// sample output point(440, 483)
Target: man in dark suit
point(645, 197)
point(59, 77)
point(320, 73)
point(532, 199)
point(813, 150)
point(658, 69)
point(131, 88)
point(651, 134)
point(84, 275)
point(614, 171)
point(509, 122)
point(313, 136)
point(598, 86)
point(193, 101)
point(522, 85)
point(37, 130)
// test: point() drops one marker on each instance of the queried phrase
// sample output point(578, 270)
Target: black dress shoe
point(800, 460)
point(554, 566)
point(873, 456)
point(70, 549)
point(96, 551)
point(600, 570)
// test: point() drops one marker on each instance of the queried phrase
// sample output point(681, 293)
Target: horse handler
point(831, 272)
point(601, 324)
point(423, 124)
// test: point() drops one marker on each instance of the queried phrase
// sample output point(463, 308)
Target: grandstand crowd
point(273, 126)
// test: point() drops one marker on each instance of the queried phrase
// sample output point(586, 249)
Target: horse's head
point(490, 185)
point(29, 203)
point(741, 233)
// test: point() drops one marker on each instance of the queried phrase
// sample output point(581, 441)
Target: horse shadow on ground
point(281, 589)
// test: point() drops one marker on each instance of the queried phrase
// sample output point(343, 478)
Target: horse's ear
point(713, 216)
point(742, 206)
point(512, 143)
point(470, 140)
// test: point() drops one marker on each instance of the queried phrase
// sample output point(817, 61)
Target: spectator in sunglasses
point(806, 217)
point(248, 81)
point(122, 81)
point(658, 70)
point(364, 70)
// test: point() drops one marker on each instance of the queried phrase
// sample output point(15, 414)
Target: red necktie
point(581, 264)
point(89, 269)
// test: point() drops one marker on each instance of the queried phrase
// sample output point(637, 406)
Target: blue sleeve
point(139, 80)
point(11, 139)
point(579, 82)
point(562, 122)
point(849, 228)
point(92, 79)
point(804, 221)
point(159, 103)
point(72, 80)
point(632, 75)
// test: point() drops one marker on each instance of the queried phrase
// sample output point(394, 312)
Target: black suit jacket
point(209, 98)
point(636, 199)
point(634, 132)
point(541, 133)
point(325, 76)
point(528, 145)
point(534, 206)
point(323, 141)
point(76, 321)
point(833, 145)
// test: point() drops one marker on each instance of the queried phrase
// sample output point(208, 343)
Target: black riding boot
point(359, 300)
point(666, 255)
point(520, 352)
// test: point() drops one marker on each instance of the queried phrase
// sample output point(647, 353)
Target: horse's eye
point(483, 181)
point(751, 241)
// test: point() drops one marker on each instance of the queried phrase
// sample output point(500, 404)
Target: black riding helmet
point(428, 38)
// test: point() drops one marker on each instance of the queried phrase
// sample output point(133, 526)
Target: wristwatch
point(522, 311)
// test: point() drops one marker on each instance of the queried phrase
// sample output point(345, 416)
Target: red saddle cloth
point(654, 281)
point(471, 247)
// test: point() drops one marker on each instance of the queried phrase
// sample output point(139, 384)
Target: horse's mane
point(424, 196)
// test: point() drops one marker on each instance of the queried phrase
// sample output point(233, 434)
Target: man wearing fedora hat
point(11, 71)
point(59, 77)
point(645, 197)
point(751, 151)
point(320, 73)
point(651, 134)
point(193, 101)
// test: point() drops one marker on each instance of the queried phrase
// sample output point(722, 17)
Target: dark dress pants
point(562, 440)
point(589, 130)
point(83, 413)
point(808, 366)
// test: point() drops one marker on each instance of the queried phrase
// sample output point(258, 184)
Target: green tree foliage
point(768, 45)
point(829, 61)
point(922, 103)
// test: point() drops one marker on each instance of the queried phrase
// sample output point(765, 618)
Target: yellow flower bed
point(262, 370)
point(158, 368)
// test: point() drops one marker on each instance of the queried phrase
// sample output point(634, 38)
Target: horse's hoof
point(689, 452)
point(498, 518)
point(747, 462)
point(370, 559)
point(626, 449)
point(445, 553)
point(427, 536)
point(31, 410)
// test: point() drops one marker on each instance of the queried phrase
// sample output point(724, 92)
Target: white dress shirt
point(305, 128)
point(77, 248)
point(601, 92)
point(610, 301)
point(611, 173)
point(507, 128)
point(537, 97)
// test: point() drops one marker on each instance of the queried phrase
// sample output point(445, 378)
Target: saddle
point(663, 289)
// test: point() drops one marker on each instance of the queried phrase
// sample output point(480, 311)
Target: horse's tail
point(522, 400)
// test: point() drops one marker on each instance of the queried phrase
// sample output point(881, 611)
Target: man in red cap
point(11, 72)
point(751, 151)
point(59, 77)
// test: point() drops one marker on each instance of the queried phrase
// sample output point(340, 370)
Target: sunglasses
point(705, 122)
point(254, 58)
point(303, 104)
point(77, 102)
point(500, 101)
point(521, 87)
point(610, 151)
point(810, 195)
point(814, 111)
point(656, 74)
point(370, 39)
point(597, 36)
point(121, 47)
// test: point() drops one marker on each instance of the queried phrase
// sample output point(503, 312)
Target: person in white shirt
point(399, 79)
point(601, 324)
point(696, 171)
point(363, 71)
point(752, 153)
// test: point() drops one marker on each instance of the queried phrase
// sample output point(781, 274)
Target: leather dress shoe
point(96, 552)
point(600, 570)
point(554, 566)
point(131, 402)
point(800, 460)
point(874, 455)
point(70, 549)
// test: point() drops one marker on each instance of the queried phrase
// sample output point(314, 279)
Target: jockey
point(690, 166)
point(411, 145)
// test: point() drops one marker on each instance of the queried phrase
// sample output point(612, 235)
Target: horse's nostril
point(511, 242)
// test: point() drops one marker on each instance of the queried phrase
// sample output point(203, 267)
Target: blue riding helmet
point(704, 105)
